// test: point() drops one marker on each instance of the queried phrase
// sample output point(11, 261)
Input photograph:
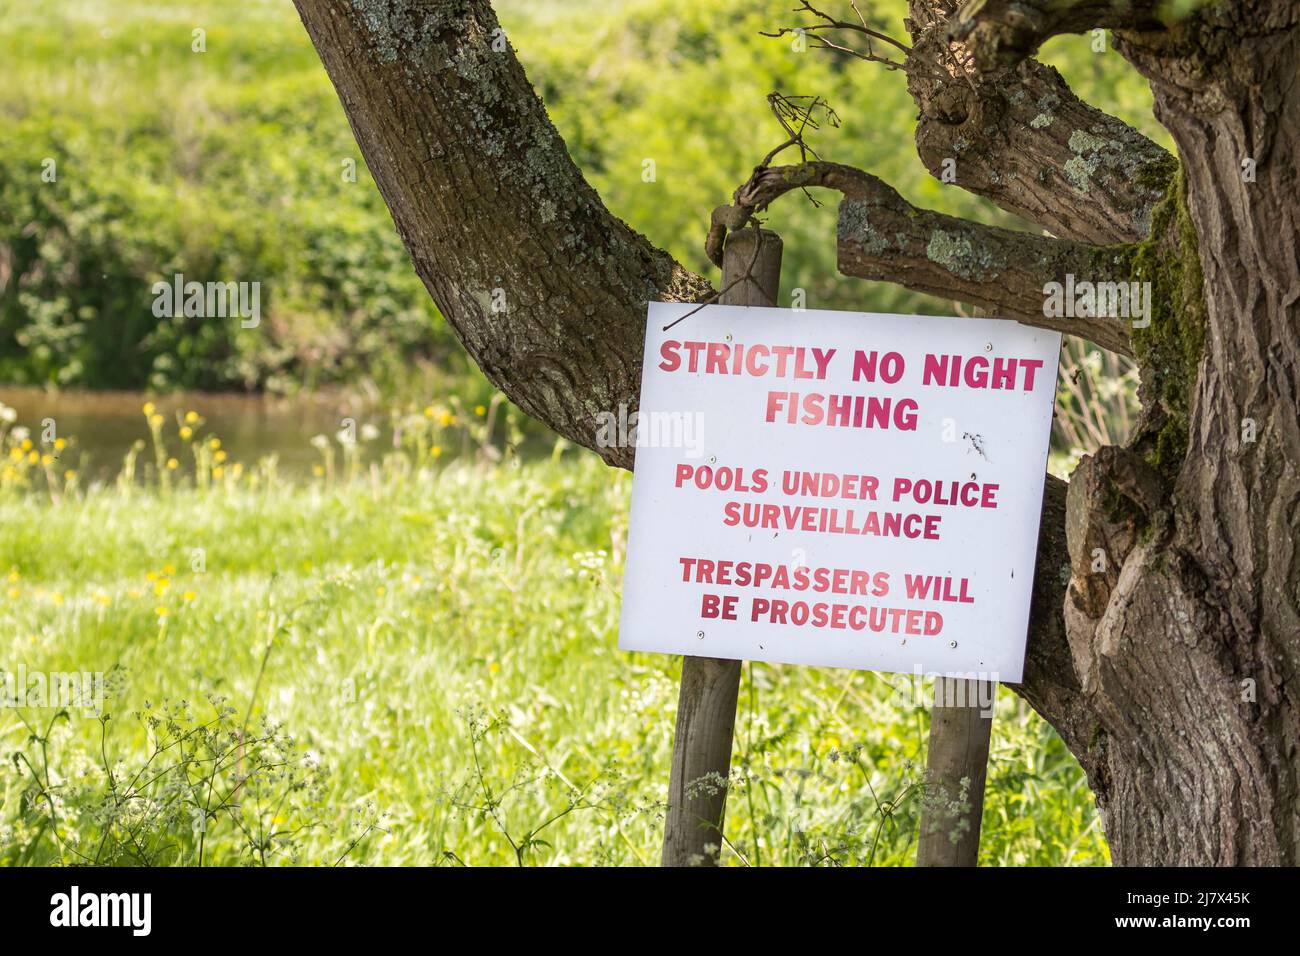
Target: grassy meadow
point(406, 662)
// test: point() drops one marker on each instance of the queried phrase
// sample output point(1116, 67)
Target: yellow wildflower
point(187, 432)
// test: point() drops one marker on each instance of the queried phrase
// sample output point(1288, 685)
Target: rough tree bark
point(1170, 672)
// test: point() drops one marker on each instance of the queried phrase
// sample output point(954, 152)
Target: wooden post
point(959, 751)
point(706, 703)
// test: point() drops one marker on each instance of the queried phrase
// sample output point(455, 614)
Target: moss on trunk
point(1169, 349)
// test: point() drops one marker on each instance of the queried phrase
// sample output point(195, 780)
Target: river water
point(101, 426)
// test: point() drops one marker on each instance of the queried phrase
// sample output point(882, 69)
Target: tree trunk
point(1192, 662)
point(546, 290)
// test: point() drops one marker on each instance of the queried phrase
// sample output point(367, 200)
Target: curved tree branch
point(884, 237)
point(1001, 33)
point(1025, 142)
point(546, 289)
point(1020, 138)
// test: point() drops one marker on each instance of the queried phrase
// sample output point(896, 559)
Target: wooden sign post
point(960, 726)
point(706, 702)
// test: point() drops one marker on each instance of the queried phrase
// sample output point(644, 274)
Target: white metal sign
point(838, 488)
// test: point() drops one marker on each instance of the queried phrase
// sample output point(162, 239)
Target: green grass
point(404, 628)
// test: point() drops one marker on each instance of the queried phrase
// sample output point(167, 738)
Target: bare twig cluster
point(816, 33)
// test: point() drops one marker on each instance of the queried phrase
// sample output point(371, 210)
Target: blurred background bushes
point(229, 165)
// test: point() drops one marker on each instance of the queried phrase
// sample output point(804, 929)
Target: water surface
point(101, 426)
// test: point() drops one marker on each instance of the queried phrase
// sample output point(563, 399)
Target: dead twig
point(814, 33)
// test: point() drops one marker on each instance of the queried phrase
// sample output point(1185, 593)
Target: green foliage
point(227, 165)
point(206, 790)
